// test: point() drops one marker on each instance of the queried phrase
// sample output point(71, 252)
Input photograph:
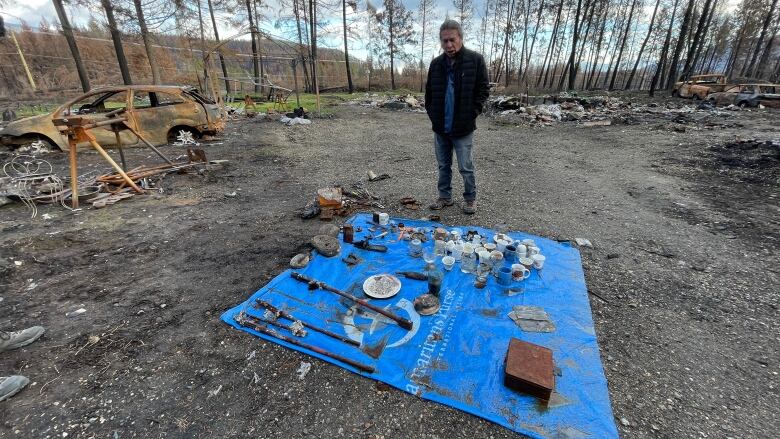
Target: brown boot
point(441, 203)
point(470, 207)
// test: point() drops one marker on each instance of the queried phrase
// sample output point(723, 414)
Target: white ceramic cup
point(448, 262)
point(533, 251)
point(519, 272)
point(384, 219)
point(501, 245)
point(529, 243)
point(538, 261)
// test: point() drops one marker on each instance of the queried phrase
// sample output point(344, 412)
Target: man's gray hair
point(451, 25)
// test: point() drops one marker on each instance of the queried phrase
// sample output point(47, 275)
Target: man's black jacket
point(471, 91)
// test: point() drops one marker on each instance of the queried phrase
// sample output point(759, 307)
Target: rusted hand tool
point(288, 316)
point(365, 244)
point(268, 331)
point(314, 284)
point(296, 330)
point(412, 275)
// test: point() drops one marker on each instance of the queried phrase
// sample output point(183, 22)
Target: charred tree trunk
point(622, 45)
point(552, 68)
point(350, 86)
point(732, 61)
point(533, 42)
point(74, 48)
point(672, 78)
point(657, 77)
point(313, 32)
point(751, 67)
point(698, 38)
point(147, 42)
point(253, 36)
point(573, 54)
point(551, 46)
point(642, 48)
point(392, 51)
point(221, 58)
point(507, 32)
point(597, 50)
point(116, 38)
point(763, 64)
point(615, 33)
point(298, 20)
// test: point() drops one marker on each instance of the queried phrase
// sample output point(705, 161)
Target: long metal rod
point(289, 316)
point(115, 165)
point(74, 175)
point(256, 321)
point(121, 151)
point(268, 331)
point(142, 139)
point(402, 322)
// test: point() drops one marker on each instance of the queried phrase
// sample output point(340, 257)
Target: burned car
point(699, 87)
point(158, 113)
point(748, 95)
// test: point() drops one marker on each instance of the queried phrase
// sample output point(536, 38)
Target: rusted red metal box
point(529, 369)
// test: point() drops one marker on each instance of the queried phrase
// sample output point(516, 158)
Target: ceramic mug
point(448, 262)
point(527, 262)
point(538, 261)
point(510, 254)
point(519, 272)
point(504, 276)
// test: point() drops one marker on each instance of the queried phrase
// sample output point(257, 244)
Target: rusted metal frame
point(315, 284)
point(268, 331)
point(288, 316)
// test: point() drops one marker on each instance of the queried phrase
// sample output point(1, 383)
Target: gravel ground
point(683, 279)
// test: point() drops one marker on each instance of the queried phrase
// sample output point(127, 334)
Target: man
point(11, 385)
point(455, 94)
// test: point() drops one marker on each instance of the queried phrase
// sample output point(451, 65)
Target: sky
point(32, 11)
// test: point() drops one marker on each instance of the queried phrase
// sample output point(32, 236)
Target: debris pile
point(407, 102)
point(600, 110)
point(340, 201)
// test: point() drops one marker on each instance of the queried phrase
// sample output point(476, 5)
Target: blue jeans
point(444, 145)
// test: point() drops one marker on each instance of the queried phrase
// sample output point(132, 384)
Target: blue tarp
point(455, 357)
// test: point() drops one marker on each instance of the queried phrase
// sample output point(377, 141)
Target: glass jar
point(415, 248)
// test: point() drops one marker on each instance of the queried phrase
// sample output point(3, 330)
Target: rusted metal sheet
point(157, 113)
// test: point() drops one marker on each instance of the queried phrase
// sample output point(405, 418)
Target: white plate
point(382, 286)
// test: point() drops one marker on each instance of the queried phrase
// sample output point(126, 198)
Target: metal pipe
point(142, 139)
point(115, 165)
point(289, 316)
point(313, 284)
point(268, 331)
